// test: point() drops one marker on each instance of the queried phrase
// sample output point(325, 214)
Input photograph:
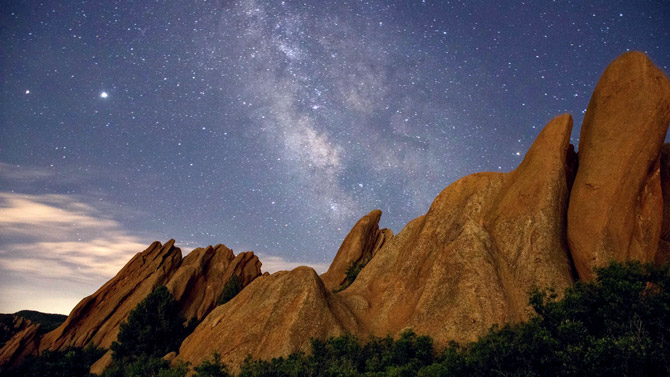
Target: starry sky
point(270, 126)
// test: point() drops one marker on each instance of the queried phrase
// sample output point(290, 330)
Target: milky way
point(270, 126)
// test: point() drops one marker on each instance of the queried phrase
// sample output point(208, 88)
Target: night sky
point(270, 126)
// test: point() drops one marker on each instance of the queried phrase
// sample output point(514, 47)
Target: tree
point(154, 328)
point(213, 368)
point(231, 289)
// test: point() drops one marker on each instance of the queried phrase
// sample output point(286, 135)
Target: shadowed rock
point(24, 343)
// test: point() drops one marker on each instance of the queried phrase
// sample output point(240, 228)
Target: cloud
point(20, 173)
point(51, 241)
point(273, 264)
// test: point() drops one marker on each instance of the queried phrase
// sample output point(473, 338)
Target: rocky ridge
point(468, 263)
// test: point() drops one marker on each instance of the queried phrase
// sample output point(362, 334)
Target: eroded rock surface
point(96, 319)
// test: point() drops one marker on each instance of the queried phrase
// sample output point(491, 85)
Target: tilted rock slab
point(616, 205)
point(360, 245)
point(470, 262)
point(196, 282)
point(275, 315)
point(96, 319)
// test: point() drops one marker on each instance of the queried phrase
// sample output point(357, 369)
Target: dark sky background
point(269, 126)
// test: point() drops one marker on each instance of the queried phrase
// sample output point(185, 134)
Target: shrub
point(232, 287)
point(154, 328)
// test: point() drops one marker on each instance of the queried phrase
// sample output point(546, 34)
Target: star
point(104, 95)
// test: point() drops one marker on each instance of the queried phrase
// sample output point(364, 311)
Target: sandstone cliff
point(275, 315)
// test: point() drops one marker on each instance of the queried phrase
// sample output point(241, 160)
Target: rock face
point(471, 260)
point(360, 245)
point(203, 273)
point(24, 343)
point(275, 315)
point(615, 209)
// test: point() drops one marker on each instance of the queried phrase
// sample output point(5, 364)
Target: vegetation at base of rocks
point(154, 328)
point(345, 356)
point(146, 366)
point(213, 368)
point(616, 325)
point(72, 362)
point(232, 287)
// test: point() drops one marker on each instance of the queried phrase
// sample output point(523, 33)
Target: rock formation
point(196, 282)
point(203, 273)
point(360, 245)
point(24, 343)
point(96, 319)
point(616, 204)
point(275, 315)
point(470, 262)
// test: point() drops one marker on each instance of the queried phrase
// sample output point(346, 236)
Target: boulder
point(615, 209)
point(360, 245)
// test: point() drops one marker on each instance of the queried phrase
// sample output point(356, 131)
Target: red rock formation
point(24, 343)
point(471, 260)
point(615, 209)
point(360, 245)
point(275, 315)
point(96, 319)
point(203, 273)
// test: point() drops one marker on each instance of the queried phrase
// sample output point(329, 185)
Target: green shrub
point(213, 368)
point(232, 287)
point(154, 328)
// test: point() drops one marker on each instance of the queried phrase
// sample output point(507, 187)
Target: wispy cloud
point(51, 241)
